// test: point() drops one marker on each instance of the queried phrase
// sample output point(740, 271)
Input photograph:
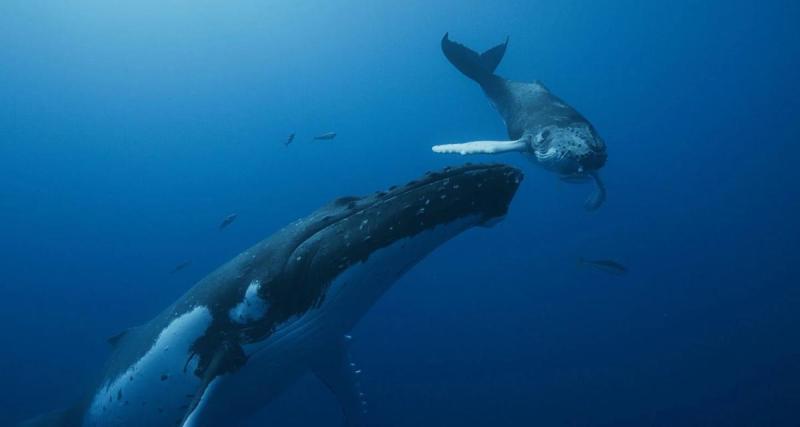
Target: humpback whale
point(540, 125)
point(283, 307)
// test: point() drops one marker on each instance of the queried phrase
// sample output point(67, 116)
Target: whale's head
point(336, 262)
point(573, 150)
point(433, 208)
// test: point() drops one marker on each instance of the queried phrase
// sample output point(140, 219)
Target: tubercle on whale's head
point(569, 150)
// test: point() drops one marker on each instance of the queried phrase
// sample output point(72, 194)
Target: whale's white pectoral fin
point(340, 375)
point(483, 147)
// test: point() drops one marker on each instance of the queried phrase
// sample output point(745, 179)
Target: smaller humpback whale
point(540, 125)
point(604, 265)
point(228, 220)
point(181, 266)
point(325, 136)
point(284, 307)
point(289, 139)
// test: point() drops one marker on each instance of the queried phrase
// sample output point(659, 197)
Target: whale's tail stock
point(477, 66)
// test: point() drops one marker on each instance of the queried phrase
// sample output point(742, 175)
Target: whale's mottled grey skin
point(540, 125)
point(283, 307)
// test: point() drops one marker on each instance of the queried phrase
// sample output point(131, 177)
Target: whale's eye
point(545, 134)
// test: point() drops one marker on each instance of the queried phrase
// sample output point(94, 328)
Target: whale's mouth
point(568, 164)
point(593, 162)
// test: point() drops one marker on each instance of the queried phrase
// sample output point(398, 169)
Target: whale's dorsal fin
point(484, 147)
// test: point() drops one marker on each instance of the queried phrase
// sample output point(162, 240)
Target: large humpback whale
point(281, 308)
point(540, 125)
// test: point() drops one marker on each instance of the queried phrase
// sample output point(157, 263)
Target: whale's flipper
point(340, 375)
point(484, 147)
point(478, 67)
point(596, 199)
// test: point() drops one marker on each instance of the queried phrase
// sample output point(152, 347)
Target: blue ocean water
point(129, 130)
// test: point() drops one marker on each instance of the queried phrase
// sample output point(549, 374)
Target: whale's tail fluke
point(478, 67)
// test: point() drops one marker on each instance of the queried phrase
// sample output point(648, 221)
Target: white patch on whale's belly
point(274, 364)
point(158, 388)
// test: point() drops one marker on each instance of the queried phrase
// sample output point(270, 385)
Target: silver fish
point(228, 220)
point(325, 136)
point(181, 266)
point(604, 265)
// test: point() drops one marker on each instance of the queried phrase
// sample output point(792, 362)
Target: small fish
point(181, 266)
point(289, 139)
point(325, 136)
point(227, 221)
point(605, 265)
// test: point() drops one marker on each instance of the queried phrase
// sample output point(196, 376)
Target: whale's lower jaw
point(565, 164)
point(291, 350)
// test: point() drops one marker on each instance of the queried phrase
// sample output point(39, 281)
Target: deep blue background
point(129, 130)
